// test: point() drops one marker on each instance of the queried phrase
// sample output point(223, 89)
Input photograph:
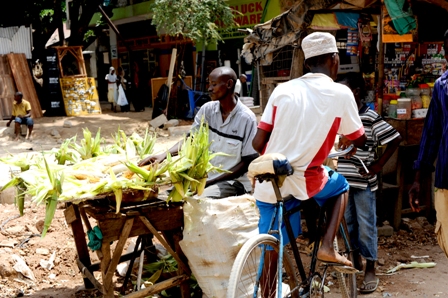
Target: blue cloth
point(434, 142)
point(360, 216)
point(26, 120)
point(335, 186)
point(347, 19)
point(95, 238)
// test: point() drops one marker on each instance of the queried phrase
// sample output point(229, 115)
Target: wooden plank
point(24, 82)
point(70, 214)
point(107, 280)
point(80, 243)
point(158, 287)
point(7, 88)
point(273, 80)
point(105, 249)
point(184, 286)
point(166, 218)
point(85, 271)
point(166, 245)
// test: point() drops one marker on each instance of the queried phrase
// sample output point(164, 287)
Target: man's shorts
point(27, 120)
point(336, 185)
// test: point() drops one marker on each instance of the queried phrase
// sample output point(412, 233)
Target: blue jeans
point(27, 120)
point(360, 215)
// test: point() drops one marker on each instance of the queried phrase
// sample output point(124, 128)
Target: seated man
point(232, 129)
point(21, 114)
point(301, 121)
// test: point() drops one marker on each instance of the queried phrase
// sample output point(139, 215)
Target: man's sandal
point(363, 289)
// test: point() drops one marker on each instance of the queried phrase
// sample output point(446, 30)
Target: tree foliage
point(194, 19)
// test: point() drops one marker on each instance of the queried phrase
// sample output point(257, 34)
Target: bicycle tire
point(244, 270)
point(347, 282)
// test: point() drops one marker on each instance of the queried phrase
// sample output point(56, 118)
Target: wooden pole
point(170, 77)
point(380, 64)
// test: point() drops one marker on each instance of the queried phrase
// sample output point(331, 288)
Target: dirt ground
point(64, 279)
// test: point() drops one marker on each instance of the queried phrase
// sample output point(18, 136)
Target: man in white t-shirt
point(301, 121)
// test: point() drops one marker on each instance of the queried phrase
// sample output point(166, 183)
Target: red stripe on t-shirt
point(268, 127)
point(356, 134)
point(315, 177)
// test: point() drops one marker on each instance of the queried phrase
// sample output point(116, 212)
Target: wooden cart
point(139, 219)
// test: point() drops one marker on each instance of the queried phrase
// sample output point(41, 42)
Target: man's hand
point(152, 159)
point(343, 144)
point(374, 168)
point(414, 193)
point(8, 123)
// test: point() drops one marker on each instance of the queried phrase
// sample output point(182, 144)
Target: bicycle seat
point(270, 166)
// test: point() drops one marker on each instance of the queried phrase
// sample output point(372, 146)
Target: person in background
point(434, 145)
point(232, 129)
point(112, 95)
point(122, 86)
point(21, 114)
point(360, 213)
point(241, 88)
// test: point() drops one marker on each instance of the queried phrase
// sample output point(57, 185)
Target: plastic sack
point(214, 232)
point(122, 100)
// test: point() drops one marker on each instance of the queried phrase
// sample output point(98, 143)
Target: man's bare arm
point(237, 171)
point(260, 140)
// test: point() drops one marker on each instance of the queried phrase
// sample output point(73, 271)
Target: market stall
point(78, 91)
point(398, 60)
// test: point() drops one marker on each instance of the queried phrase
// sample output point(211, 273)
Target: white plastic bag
point(214, 232)
point(122, 100)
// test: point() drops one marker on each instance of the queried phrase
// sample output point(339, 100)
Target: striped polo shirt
point(378, 132)
point(233, 136)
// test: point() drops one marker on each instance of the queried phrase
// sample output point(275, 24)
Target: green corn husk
point(89, 147)
point(64, 153)
point(189, 175)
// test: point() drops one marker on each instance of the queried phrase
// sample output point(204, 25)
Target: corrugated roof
point(15, 40)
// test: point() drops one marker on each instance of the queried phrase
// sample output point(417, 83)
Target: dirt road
point(64, 280)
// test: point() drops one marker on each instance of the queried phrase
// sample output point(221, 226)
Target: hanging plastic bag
point(122, 100)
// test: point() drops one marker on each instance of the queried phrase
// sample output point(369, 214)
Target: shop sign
point(250, 13)
point(247, 13)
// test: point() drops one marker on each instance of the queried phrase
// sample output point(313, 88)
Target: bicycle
point(249, 269)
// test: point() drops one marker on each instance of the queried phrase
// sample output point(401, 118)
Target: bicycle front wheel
point(243, 277)
point(347, 282)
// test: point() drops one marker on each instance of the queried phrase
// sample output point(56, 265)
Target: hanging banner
point(390, 35)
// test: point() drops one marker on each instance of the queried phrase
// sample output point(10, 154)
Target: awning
point(55, 36)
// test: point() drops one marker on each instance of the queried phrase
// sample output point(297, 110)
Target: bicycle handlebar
point(345, 152)
point(341, 152)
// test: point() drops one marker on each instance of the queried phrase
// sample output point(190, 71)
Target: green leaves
point(89, 147)
point(194, 19)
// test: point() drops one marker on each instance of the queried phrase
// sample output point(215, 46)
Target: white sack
point(214, 232)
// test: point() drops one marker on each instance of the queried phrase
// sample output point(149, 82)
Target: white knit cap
point(319, 43)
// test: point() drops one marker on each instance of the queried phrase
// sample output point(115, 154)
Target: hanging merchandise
point(78, 91)
point(352, 42)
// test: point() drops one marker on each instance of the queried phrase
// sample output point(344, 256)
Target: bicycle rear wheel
point(347, 282)
point(243, 277)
